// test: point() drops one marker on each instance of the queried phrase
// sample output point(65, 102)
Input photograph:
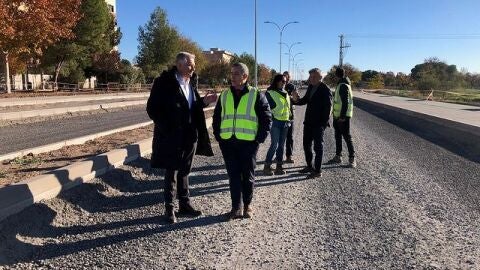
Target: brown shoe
point(234, 214)
point(247, 211)
point(279, 169)
point(170, 215)
point(267, 169)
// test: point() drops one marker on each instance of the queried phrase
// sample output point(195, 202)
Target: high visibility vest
point(242, 121)
point(282, 105)
point(337, 102)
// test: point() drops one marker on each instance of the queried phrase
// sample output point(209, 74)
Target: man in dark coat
point(176, 108)
point(319, 104)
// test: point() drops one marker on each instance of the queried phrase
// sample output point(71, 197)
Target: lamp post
point(256, 65)
point(290, 52)
point(281, 33)
point(293, 58)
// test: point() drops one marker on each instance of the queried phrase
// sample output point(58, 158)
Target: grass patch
point(26, 160)
point(3, 174)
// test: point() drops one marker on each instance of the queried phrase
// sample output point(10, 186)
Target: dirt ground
point(21, 94)
point(22, 168)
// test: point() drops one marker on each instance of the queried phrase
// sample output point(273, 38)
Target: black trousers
point(313, 135)
point(176, 181)
point(342, 129)
point(241, 160)
point(289, 143)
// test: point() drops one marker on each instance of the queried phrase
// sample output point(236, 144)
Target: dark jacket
point(262, 109)
point(175, 124)
point(344, 96)
point(319, 105)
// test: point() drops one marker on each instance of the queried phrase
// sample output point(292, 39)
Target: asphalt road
point(409, 204)
point(22, 136)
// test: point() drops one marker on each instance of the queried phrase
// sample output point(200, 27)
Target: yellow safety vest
point(241, 122)
point(281, 111)
point(337, 102)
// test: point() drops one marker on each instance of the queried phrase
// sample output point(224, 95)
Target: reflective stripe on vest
point(241, 122)
point(282, 105)
point(337, 102)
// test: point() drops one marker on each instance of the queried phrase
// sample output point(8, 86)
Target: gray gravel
point(409, 204)
point(22, 136)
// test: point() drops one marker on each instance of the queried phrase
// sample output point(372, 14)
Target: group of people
point(243, 118)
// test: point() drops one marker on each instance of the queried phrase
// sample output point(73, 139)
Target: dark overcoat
point(175, 124)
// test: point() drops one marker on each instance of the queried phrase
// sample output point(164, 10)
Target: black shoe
point(170, 215)
point(307, 169)
point(188, 210)
point(289, 160)
point(314, 174)
point(234, 214)
point(335, 160)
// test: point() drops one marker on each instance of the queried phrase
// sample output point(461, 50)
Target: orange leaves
point(29, 26)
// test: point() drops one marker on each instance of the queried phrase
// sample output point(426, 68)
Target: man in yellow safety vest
point(241, 121)
point(342, 115)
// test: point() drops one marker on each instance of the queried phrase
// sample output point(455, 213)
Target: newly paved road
point(409, 204)
point(22, 136)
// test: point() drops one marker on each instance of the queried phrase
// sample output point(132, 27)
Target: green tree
point(95, 33)
point(436, 74)
point(158, 44)
point(352, 73)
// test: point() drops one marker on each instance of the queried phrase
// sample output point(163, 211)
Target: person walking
point(319, 104)
point(180, 130)
point(342, 115)
point(241, 121)
point(290, 88)
point(280, 105)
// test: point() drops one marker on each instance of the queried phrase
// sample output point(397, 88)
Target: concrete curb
point(7, 102)
point(13, 116)
point(16, 197)
point(78, 140)
point(459, 138)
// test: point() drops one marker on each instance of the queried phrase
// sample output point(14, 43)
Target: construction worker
point(319, 104)
point(342, 114)
point(279, 101)
point(290, 88)
point(241, 121)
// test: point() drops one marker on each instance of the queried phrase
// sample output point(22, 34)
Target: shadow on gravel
point(14, 250)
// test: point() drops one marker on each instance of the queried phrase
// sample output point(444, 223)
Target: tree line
point(432, 74)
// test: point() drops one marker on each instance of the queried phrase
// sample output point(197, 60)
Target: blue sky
point(230, 25)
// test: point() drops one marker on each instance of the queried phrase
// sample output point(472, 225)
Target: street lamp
point(281, 33)
point(290, 52)
point(293, 58)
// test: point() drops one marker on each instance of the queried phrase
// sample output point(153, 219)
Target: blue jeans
point(278, 136)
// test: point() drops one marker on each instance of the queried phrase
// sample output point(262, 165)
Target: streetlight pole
point(293, 58)
point(281, 33)
point(290, 51)
point(256, 65)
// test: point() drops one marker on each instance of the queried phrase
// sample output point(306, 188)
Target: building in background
point(216, 55)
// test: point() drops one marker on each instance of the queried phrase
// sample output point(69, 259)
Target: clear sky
point(400, 34)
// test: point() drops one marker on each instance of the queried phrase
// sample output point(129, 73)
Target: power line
point(419, 36)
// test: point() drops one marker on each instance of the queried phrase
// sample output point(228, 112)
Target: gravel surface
point(23, 136)
point(409, 204)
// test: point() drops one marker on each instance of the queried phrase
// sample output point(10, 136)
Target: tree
point(216, 74)
point(95, 34)
point(436, 74)
point(130, 74)
point(350, 71)
point(402, 80)
point(389, 79)
point(158, 44)
point(106, 64)
point(187, 45)
point(264, 74)
point(28, 27)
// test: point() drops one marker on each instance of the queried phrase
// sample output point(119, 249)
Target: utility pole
point(342, 46)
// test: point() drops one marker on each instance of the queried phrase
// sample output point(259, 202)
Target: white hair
point(241, 66)
point(184, 56)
